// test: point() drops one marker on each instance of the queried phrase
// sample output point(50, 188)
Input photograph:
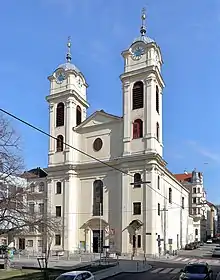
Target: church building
point(107, 180)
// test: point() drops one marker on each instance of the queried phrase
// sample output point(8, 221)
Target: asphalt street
point(160, 271)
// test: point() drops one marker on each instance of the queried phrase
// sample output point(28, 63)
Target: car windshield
point(66, 277)
point(196, 269)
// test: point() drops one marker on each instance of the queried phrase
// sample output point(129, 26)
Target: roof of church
point(98, 112)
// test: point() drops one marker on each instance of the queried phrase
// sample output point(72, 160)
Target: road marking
point(185, 260)
point(178, 259)
point(176, 270)
point(166, 270)
point(157, 270)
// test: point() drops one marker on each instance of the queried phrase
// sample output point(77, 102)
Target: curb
point(126, 272)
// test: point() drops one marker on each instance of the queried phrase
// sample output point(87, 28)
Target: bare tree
point(11, 162)
point(16, 216)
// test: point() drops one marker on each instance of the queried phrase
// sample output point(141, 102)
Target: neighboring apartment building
point(218, 218)
point(10, 203)
point(32, 241)
point(197, 202)
point(212, 220)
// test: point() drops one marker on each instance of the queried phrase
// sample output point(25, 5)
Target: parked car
point(196, 271)
point(216, 252)
point(76, 275)
point(209, 241)
point(189, 247)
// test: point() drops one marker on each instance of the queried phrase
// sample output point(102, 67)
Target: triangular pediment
point(98, 118)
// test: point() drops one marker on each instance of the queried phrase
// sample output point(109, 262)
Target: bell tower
point(142, 85)
point(67, 109)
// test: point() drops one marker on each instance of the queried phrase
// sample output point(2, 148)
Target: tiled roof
point(183, 177)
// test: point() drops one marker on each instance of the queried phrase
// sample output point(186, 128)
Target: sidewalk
point(125, 266)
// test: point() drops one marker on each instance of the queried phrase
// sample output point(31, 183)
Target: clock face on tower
point(137, 50)
point(60, 76)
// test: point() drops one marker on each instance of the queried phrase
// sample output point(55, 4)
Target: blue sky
point(33, 43)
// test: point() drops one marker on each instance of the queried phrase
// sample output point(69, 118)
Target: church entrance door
point(96, 240)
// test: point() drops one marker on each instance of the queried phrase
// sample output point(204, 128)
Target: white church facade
point(122, 194)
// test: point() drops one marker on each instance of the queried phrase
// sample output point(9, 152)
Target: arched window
point(60, 114)
point(157, 100)
point(170, 195)
point(98, 198)
point(158, 182)
point(196, 231)
point(59, 143)
point(137, 129)
point(138, 95)
point(158, 131)
point(137, 179)
point(78, 115)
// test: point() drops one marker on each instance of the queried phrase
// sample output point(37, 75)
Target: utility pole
point(164, 210)
point(144, 183)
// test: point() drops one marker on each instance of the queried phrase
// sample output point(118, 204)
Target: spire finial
point(68, 55)
point(143, 19)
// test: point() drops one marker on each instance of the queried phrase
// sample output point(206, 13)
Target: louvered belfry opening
point(138, 95)
point(60, 114)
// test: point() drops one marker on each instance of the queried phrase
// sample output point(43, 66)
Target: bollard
point(137, 266)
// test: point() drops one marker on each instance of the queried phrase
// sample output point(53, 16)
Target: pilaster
point(52, 125)
point(127, 117)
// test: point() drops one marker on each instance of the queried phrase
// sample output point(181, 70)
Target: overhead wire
point(82, 152)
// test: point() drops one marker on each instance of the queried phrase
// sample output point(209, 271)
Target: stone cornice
point(142, 72)
point(65, 94)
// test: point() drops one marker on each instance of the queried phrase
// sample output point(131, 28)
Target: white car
point(209, 241)
point(76, 275)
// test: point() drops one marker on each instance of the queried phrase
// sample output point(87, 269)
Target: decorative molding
point(51, 107)
point(148, 81)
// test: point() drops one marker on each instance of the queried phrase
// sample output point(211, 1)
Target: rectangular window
point(170, 195)
point(57, 240)
point(199, 211)
point(183, 202)
point(139, 241)
point(158, 209)
point(58, 188)
point(41, 208)
point(194, 211)
point(194, 199)
point(137, 208)
point(194, 190)
point(31, 208)
point(41, 228)
point(58, 211)
point(31, 229)
point(30, 243)
point(40, 243)
point(198, 190)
